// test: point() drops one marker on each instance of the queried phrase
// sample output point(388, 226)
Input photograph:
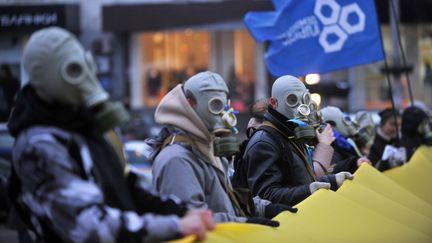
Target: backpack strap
point(272, 129)
point(177, 138)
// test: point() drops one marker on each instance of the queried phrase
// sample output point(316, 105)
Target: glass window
point(169, 58)
point(242, 77)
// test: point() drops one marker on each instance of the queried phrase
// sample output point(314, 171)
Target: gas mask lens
point(292, 100)
point(306, 98)
point(347, 121)
point(73, 72)
point(216, 105)
point(303, 110)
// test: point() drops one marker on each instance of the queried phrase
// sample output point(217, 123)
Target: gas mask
point(294, 102)
point(345, 126)
point(210, 91)
point(60, 70)
point(366, 128)
point(315, 117)
point(341, 122)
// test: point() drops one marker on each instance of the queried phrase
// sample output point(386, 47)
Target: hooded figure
point(416, 129)
point(278, 164)
point(189, 157)
point(68, 182)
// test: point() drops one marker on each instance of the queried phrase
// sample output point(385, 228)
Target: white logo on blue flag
point(317, 36)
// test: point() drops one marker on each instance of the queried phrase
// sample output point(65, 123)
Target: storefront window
point(169, 58)
point(242, 78)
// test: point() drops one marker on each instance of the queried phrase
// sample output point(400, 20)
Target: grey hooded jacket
point(191, 171)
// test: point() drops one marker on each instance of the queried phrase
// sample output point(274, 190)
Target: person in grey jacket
point(189, 156)
point(68, 183)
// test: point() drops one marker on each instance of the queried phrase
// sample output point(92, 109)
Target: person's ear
point(273, 102)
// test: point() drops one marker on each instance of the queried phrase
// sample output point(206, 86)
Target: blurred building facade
point(144, 48)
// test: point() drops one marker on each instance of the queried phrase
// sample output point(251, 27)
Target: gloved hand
point(314, 186)
point(342, 176)
point(263, 221)
point(274, 209)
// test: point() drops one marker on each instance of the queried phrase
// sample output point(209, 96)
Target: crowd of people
point(70, 181)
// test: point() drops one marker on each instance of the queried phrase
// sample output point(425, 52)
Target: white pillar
point(261, 81)
point(222, 53)
point(357, 95)
point(135, 72)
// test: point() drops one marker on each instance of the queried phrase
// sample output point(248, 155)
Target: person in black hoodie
point(68, 182)
point(416, 130)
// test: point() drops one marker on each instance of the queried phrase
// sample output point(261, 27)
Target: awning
point(160, 16)
point(154, 16)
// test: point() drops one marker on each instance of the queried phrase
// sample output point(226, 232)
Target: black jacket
point(344, 160)
point(274, 169)
point(378, 146)
point(72, 180)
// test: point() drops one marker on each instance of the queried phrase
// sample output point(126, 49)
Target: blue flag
point(317, 36)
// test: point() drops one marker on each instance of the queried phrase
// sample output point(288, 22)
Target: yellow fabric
point(395, 206)
point(416, 175)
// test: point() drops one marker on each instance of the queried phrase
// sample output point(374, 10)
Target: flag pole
point(405, 67)
point(387, 74)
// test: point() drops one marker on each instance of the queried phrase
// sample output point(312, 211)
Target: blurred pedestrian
point(416, 130)
point(67, 181)
point(386, 134)
point(9, 86)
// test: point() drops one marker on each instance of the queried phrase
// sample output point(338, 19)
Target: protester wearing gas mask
point(347, 155)
point(278, 158)
point(322, 153)
point(190, 153)
point(416, 130)
point(68, 182)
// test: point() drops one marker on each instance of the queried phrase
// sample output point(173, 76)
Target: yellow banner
point(395, 206)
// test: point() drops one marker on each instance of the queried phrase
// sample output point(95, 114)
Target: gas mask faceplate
point(61, 70)
point(340, 121)
point(210, 92)
point(294, 100)
point(217, 114)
